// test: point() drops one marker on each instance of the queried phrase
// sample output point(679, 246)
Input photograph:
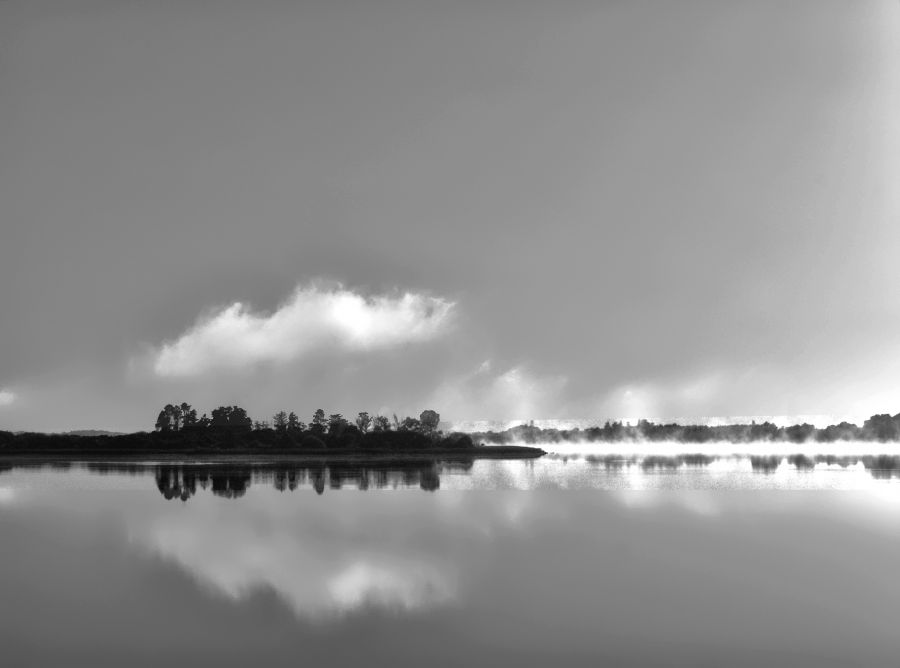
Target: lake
point(575, 559)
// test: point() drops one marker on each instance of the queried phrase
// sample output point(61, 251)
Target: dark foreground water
point(693, 561)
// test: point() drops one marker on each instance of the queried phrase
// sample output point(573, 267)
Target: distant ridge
point(91, 432)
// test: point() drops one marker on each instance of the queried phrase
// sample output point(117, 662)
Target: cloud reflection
point(414, 587)
point(7, 495)
point(238, 550)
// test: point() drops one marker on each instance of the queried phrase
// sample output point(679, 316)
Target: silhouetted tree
point(239, 417)
point(845, 431)
point(188, 416)
point(176, 416)
point(318, 423)
point(882, 427)
point(163, 421)
point(763, 432)
point(410, 424)
point(280, 421)
point(798, 433)
point(293, 422)
point(381, 423)
point(336, 424)
point(363, 421)
point(221, 416)
point(231, 416)
point(429, 420)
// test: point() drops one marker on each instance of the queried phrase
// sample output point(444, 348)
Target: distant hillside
point(91, 432)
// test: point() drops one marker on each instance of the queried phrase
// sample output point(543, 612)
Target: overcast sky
point(497, 209)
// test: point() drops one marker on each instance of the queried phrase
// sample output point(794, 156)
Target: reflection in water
point(240, 550)
point(606, 560)
point(175, 483)
point(882, 466)
point(181, 481)
point(768, 464)
point(653, 462)
point(802, 462)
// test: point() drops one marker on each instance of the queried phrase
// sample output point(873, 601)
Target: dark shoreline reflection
point(181, 481)
point(882, 467)
point(768, 464)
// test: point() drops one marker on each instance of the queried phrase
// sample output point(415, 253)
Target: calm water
point(635, 560)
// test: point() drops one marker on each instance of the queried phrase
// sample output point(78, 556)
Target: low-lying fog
point(640, 448)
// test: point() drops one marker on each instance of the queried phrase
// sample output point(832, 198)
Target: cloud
point(514, 394)
point(692, 396)
point(313, 320)
point(7, 397)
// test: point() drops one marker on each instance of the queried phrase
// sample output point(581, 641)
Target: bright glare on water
point(572, 559)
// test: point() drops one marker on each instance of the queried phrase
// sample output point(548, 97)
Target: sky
point(496, 209)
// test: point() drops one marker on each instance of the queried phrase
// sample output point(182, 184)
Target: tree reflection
point(181, 481)
point(765, 464)
point(318, 478)
point(802, 462)
point(429, 480)
point(883, 467)
point(230, 484)
point(176, 482)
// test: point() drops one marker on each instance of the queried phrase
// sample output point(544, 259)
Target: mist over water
point(644, 447)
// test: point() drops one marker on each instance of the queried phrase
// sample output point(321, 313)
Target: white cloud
point(7, 397)
point(312, 320)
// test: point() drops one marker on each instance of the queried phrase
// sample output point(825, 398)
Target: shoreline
point(273, 456)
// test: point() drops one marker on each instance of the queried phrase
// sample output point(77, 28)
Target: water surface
point(600, 560)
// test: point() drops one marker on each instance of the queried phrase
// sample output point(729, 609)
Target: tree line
point(882, 427)
point(230, 427)
point(181, 417)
